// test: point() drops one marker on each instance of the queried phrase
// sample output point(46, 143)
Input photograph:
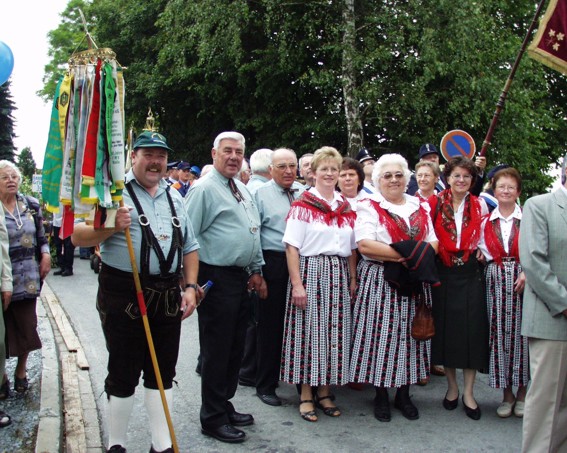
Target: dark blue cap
point(183, 165)
point(426, 149)
point(363, 155)
point(495, 170)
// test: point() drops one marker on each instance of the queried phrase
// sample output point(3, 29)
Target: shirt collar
point(517, 214)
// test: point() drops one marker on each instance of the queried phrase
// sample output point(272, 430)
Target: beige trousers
point(545, 415)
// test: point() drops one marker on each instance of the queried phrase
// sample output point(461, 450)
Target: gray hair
point(7, 164)
point(390, 159)
point(260, 160)
point(230, 135)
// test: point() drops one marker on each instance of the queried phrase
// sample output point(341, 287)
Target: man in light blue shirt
point(227, 226)
point(274, 200)
point(163, 240)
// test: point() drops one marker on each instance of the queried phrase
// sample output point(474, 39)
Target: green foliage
point(26, 163)
point(274, 70)
point(7, 135)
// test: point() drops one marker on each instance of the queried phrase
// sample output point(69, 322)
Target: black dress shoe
point(404, 404)
point(167, 450)
point(382, 406)
point(472, 413)
point(225, 433)
point(238, 419)
point(66, 273)
point(450, 404)
point(59, 272)
point(245, 382)
point(116, 449)
point(270, 399)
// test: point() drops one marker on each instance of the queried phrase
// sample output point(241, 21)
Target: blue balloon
point(6, 62)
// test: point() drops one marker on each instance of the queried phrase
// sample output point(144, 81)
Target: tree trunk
point(352, 105)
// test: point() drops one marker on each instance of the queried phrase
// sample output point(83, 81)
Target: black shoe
point(404, 404)
point(471, 413)
point(382, 406)
point(238, 419)
point(450, 405)
point(116, 449)
point(198, 369)
point(59, 272)
point(66, 273)
point(270, 399)
point(167, 450)
point(245, 382)
point(225, 433)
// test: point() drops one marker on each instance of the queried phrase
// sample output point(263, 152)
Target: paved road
point(281, 429)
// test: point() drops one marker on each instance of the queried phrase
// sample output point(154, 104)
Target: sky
point(24, 28)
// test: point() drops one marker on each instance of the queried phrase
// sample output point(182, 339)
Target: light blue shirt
point(273, 206)
point(228, 231)
point(255, 182)
point(114, 250)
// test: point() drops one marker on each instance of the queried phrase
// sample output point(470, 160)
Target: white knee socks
point(161, 440)
point(119, 410)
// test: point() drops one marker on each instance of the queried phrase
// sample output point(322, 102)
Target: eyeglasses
point(10, 177)
point(502, 188)
point(388, 176)
point(463, 177)
point(284, 167)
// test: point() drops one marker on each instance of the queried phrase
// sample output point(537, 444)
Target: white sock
point(119, 410)
point(161, 440)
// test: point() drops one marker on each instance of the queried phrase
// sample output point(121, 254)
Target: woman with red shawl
point(509, 362)
point(459, 311)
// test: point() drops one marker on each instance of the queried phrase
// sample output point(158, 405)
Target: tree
point(7, 135)
point(392, 75)
point(26, 163)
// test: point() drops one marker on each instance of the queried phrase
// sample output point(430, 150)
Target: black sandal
point(21, 384)
point(310, 416)
point(5, 389)
point(5, 419)
point(331, 411)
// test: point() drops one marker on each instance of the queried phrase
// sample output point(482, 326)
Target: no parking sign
point(457, 143)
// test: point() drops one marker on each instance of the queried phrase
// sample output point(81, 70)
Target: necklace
point(19, 223)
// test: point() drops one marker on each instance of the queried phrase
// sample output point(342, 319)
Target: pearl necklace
point(19, 222)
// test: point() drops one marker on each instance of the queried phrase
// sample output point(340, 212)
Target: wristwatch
point(192, 285)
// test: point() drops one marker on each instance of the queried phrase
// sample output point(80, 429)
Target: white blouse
point(316, 237)
point(459, 216)
point(367, 224)
point(505, 227)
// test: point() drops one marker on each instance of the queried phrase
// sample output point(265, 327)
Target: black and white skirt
point(384, 353)
point(316, 344)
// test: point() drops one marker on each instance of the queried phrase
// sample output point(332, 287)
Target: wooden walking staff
point(502, 99)
point(140, 294)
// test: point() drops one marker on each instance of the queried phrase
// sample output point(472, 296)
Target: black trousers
point(271, 313)
point(64, 249)
point(223, 317)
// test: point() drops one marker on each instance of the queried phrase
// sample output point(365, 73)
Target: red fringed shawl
point(398, 229)
point(495, 243)
point(309, 208)
point(443, 218)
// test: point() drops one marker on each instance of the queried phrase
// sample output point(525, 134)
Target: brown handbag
point(422, 327)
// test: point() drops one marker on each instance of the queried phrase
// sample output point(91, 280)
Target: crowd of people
point(317, 284)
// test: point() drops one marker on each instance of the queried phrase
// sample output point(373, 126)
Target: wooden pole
point(504, 94)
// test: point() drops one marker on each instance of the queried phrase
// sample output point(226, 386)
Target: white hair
point(390, 159)
point(7, 164)
point(231, 135)
point(260, 160)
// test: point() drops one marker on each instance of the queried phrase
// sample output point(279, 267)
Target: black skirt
point(461, 319)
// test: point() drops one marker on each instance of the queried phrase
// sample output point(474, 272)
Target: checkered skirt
point(316, 342)
point(509, 361)
point(384, 353)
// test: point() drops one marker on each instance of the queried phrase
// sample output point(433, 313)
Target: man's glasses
point(283, 167)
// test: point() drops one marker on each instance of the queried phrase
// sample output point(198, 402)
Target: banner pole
point(504, 94)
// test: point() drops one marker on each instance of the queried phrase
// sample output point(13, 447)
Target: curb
point(68, 417)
